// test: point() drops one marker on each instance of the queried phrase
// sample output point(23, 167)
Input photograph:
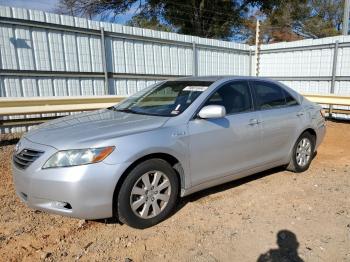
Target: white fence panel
point(23, 43)
point(307, 65)
point(44, 54)
point(8, 48)
point(56, 51)
point(70, 51)
point(47, 47)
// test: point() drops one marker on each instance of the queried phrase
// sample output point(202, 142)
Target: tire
point(300, 152)
point(138, 200)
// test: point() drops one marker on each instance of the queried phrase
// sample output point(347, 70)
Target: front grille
point(27, 156)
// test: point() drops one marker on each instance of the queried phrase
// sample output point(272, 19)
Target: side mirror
point(212, 111)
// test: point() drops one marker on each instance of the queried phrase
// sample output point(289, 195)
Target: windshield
point(170, 98)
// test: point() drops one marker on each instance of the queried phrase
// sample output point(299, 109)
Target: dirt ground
point(265, 217)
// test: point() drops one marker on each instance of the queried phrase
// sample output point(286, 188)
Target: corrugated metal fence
point(320, 66)
point(45, 54)
point(316, 66)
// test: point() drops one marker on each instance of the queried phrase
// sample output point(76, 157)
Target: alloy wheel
point(303, 152)
point(150, 194)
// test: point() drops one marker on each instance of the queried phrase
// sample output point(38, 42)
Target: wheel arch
point(170, 159)
point(311, 131)
point(292, 165)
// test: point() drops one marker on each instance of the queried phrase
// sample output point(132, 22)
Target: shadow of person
point(287, 249)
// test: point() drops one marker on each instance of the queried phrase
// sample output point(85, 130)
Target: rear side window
point(234, 96)
point(268, 95)
point(290, 101)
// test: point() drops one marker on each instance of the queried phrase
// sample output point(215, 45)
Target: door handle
point(300, 113)
point(253, 122)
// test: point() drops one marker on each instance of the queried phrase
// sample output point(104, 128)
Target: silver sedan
point(135, 159)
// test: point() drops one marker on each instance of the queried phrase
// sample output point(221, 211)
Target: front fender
point(136, 146)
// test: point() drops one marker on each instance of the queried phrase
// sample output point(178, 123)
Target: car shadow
point(206, 192)
point(229, 185)
point(226, 186)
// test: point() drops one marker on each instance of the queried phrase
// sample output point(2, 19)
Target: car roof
point(217, 78)
point(198, 78)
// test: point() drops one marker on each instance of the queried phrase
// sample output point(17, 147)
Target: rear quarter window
point(290, 100)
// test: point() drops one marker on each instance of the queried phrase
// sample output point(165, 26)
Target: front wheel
point(148, 194)
point(302, 154)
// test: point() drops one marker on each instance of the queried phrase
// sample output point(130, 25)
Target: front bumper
point(87, 190)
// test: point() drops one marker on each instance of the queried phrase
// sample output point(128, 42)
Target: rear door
point(280, 116)
point(220, 147)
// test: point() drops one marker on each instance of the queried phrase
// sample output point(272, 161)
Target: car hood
point(90, 128)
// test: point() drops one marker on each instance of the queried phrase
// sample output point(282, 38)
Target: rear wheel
point(303, 153)
point(148, 194)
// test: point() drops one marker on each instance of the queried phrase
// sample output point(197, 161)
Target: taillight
point(323, 113)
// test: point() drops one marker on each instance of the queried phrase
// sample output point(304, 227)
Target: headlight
point(78, 157)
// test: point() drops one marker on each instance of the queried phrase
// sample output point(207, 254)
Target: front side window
point(234, 96)
point(169, 98)
point(268, 95)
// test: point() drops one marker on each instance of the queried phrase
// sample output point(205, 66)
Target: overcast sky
point(49, 6)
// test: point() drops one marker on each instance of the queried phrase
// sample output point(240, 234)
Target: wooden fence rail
point(45, 105)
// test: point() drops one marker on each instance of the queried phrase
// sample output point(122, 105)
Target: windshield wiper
point(127, 110)
point(124, 110)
